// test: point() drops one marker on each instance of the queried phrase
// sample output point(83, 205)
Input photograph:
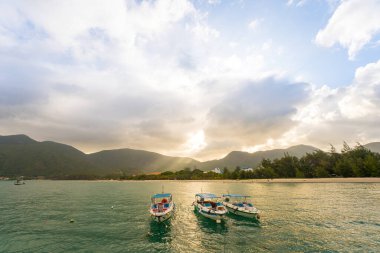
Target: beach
point(275, 180)
point(315, 180)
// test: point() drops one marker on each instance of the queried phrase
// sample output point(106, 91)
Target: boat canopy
point(161, 195)
point(236, 196)
point(206, 195)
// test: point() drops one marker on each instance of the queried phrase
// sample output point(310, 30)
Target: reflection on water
point(210, 226)
point(160, 231)
point(237, 220)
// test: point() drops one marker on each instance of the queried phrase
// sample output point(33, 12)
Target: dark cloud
point(20, 84)
point(256, 111)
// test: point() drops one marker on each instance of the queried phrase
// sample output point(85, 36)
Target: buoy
point(72, 221)
point(111, 207)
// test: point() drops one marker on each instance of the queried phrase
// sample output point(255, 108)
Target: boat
point(208, 205)
point(237, 204)
point(20, 181)
point(162, 206)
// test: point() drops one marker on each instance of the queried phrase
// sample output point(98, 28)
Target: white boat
point(237, 204)
point(162, 207)
point(208, 205)
point(20, 181)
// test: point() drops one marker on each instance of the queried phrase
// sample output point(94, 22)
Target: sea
point(113, 216)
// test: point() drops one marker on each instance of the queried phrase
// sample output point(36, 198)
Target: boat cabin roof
point(206, 195)
point(161, 195)
point(236, 196)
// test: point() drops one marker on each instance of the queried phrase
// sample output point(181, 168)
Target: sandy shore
point(276, 180)
point(316, 180)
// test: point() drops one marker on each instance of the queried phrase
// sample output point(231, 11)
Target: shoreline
point(242, 181)
point(275, 180)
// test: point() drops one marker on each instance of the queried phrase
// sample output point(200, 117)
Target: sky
point(196, 78)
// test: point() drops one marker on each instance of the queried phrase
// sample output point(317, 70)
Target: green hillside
point(16, 139)
point(245, 159)
point(137, 161)
point(21, 155)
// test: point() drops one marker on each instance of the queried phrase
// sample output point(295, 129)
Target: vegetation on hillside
point(351, 162)
point(23, 156)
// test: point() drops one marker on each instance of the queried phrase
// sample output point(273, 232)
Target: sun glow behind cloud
point(196, 142)
point(194, 79)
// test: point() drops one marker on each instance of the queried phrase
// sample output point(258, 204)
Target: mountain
point(21, 155)
point(16, 139)
point(373, 146)
point(245, 159)
point(137, 161)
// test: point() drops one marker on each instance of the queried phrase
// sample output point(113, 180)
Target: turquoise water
point(296, 217)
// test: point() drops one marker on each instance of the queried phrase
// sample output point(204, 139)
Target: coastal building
point(217, 171)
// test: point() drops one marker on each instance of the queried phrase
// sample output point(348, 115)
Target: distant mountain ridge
point(16, 139)
point(245, 159)
point(140, 160)
point(21, 155)
point(373, 146)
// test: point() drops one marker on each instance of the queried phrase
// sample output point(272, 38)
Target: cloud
point(86, 73)
point(212, 2)
point(12, 85)
point(342, 114)
point(254, 24)
point(254, 112)
point(101, 76)
point(298, 3)
point(362, 98)
point(353, 25)
point(304, 113)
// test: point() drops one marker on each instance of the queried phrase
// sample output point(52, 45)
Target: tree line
point(350, 162)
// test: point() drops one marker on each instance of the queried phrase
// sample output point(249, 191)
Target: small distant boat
point(237, 204)
point(208, 205)
point(20, 181)
point(162, 206)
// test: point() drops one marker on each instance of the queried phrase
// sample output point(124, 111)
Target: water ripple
point(295, 218)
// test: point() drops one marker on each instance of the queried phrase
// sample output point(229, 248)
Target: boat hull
point(218, 217)
point(163, 216)
point(254, 215)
